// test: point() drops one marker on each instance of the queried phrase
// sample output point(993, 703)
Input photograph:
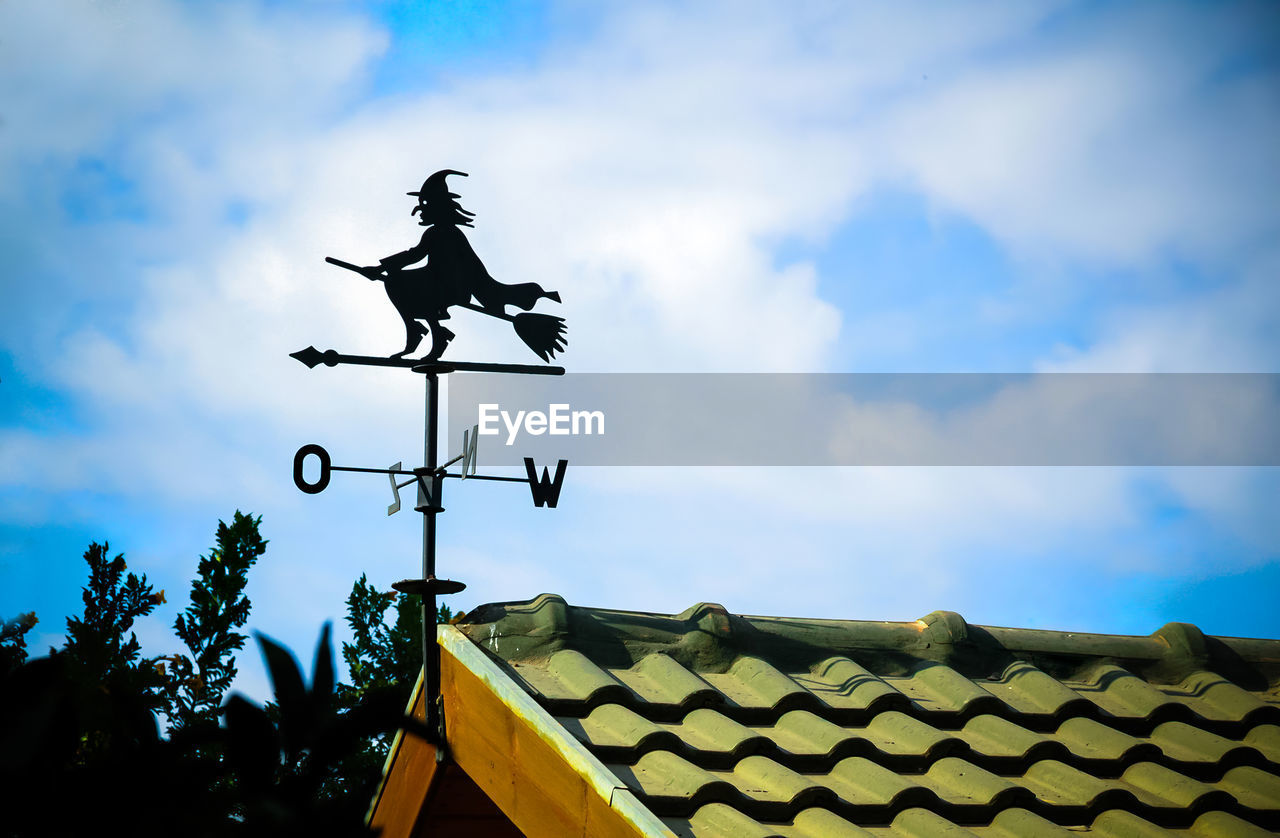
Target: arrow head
point(309, 356)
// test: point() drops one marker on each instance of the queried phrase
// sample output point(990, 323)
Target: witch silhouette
point(453, 275)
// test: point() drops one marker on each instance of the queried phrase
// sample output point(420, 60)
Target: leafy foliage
point(110, 608)
point(80, 725)
point(13, 640)
point(384, 660)
point(381, 655)
point(260, 774)
point(286, 756)
point(208, 625)
point(97, 651)
point(77, 754)
point(384, 655)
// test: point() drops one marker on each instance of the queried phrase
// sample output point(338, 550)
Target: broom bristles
point(543, 333)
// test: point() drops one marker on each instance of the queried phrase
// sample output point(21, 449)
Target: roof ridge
point(707, 637)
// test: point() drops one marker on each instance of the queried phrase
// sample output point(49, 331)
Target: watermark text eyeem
point(558, 420)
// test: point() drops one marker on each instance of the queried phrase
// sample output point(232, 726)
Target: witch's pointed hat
point(434, 187)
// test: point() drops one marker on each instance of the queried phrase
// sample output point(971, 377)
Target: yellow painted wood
point(537, 774)
point(407, 777)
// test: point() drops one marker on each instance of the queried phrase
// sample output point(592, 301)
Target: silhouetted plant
point(285, 757)
point(116, 688)
point(79, 734)
point(112, 601)
point(384, 661)
point(208, 625)
point(80, 725)
point(13, 640)
point(80, 756)
point(381, 655)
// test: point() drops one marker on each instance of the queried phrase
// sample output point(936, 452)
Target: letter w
point(546, 491)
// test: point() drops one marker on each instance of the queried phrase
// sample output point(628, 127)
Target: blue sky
point(807, 187)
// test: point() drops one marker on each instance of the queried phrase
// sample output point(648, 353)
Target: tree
point(13, 640)
point(288, 757)
point(384, 655)
point(81, 725)
point(383, 660)
point(264, 772)
point(83, 751)
point(381, 655)
point(97, 652)
point(208, 626)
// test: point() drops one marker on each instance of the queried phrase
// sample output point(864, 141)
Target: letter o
point(325, 463)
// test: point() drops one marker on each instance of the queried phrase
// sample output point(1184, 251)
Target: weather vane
point(452, 275)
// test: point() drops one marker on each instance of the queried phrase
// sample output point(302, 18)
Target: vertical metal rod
point(430, 651)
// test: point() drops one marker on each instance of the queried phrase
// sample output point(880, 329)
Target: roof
point(711, 724)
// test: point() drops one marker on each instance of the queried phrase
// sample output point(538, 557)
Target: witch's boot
point(440, 337)
point(413, 334)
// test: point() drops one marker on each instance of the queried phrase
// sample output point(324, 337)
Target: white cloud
point(1230, 328)
point(1116, 149)
point(170, 86)
point(648, 175)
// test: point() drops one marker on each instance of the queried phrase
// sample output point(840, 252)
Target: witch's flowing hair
point(445, 211)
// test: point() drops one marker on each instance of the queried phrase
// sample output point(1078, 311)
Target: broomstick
point(543, 333)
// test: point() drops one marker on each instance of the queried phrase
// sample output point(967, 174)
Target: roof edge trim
point(394, 751)
point(601, 780)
